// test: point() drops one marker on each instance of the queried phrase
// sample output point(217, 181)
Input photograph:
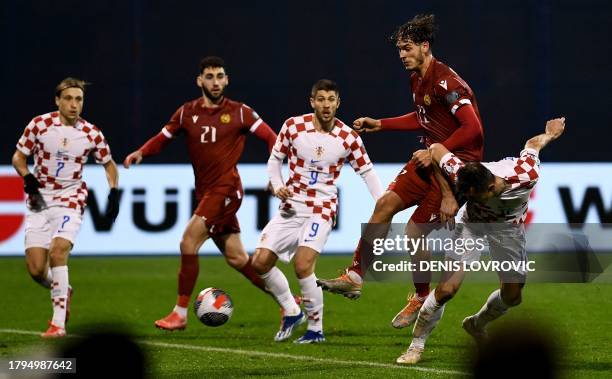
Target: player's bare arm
point(449, 205)
point(20, 163)
point(554, 129)
point(366, 124)
point(112, 174)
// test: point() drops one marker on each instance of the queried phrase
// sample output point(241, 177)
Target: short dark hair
point(324, 85)
point(70, 82)
point(211, 61)
point(473, 176)
point(421, 28)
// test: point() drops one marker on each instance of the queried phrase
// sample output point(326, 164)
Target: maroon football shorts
point(219, 212)
point(416, 186)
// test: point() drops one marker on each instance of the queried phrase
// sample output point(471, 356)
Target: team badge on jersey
point(319, 151)
point(225, 118)
point(427, 99)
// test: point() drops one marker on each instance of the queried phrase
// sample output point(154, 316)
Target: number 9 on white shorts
point(284, 234)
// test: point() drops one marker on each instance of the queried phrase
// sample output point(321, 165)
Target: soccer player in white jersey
point(316, 146)
point(60, 143)
point(497, 196)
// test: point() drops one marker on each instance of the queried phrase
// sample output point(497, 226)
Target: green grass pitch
point(135, 291)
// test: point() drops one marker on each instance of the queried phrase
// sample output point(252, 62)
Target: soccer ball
point(213, 307)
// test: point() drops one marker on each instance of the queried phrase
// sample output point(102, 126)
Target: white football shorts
point(41, 227)
point(285, 233)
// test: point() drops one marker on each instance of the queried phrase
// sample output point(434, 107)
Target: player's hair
point(70, 82)
point(211, 61)
point(473, 175)
point(421, 28)
point(324, 85)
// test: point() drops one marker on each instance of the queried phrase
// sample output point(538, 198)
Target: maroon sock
point(187, 277)
point(249, 272)
point(422, 289)
point(356, 265)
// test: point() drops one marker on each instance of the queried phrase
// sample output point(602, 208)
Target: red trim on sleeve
point(154, 145)
point(406, 122)
point(265, 133)
point(469, 131)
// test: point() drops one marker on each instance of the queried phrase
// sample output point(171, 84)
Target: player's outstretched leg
point(350, 282)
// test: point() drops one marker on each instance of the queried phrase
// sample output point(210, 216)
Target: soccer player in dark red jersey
point(215, 129)
point(447, 113)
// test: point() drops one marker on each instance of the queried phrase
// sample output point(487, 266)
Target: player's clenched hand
point(135, 157)
point(555, 127)
point(448, 210)
point(366, 124)
point(283, 193)
point(422, 158)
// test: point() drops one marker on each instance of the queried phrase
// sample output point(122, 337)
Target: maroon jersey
point(215, 140)
point(437, 96)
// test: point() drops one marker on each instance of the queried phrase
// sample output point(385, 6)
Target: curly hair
point(211, 61)
point(421, 28)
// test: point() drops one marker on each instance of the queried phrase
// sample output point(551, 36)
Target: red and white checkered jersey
point(315, 160)
point(60, 151)
point(510, 206)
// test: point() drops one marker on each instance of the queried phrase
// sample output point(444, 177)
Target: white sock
point(59, 295)
point(277, 284)
point(46, 282)
point(429, 315)
point(491, 310)
point(312, 296)
point(182, 311)
point(354, 277)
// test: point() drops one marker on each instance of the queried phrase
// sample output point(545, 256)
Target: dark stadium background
point(526, 61)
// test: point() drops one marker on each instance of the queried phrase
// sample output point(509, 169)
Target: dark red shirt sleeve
point(469, 131)
point(154, 145)
point(265, 133)
point(406, 122)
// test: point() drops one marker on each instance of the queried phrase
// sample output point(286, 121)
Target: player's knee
point(58, 253)
point(303, 269)
point(446, 291)
point(237, 261)
point(37, 270)
point(260, 263)
point(187, 245)
point(385, 207)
